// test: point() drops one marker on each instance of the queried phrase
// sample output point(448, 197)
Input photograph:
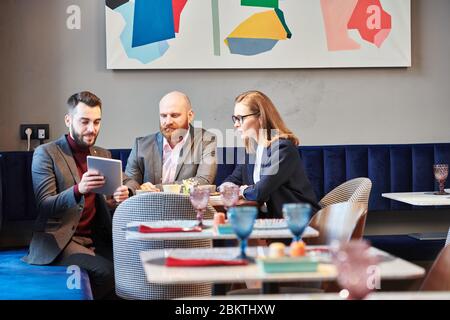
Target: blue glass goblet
point(242, 220)
point(297, 216)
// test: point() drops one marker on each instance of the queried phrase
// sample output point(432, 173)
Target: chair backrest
point(131, 282)
point(438, 278)
point(355, 190)
point(341, 221)
point(447, 241)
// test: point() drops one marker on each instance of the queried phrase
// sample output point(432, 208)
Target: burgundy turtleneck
point(79, 154)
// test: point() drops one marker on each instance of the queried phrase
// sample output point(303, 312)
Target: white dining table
point(427, 198)
point(153, 261)
point(420, 198)
point(262, 230)
point(393, 295)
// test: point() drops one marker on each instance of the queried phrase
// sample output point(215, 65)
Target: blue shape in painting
point(250, 47)
point(144, 54)
point(153, 22)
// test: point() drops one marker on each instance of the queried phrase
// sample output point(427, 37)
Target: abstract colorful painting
point(219, 34)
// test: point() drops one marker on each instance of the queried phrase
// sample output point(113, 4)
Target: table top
point(391, 268)
point(420, 198)
point(262, 230)
point(216, 201)
point(408, 295)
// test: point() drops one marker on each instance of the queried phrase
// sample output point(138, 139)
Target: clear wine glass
point(297, 216)
point(440, 174)
point(242, 220)
point(199, 198)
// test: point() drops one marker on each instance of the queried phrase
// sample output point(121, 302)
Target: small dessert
point(276, 250)
point(219, 218)
point(298, 249)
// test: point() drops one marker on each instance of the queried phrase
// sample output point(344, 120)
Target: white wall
point(42, 63)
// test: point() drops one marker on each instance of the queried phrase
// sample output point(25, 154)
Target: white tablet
point(111, 169)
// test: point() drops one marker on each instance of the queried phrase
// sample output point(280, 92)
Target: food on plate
point(219, 218)
point(276, 250)
point(297, 249)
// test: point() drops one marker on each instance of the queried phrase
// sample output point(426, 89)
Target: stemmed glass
point(353, 263)
point(440, 174)
point(242, 220)
point(199, 198)
point(297, 216)
point(229, 193)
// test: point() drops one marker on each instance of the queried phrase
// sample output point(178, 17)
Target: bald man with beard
point(177, 152)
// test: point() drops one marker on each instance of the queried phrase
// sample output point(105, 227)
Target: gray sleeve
point(49, 201)
point(207, 168)
point(133, 174)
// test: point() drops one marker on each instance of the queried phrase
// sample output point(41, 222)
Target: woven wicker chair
point(355, 190)
point(340, 221)
point(131, 282)
point(447, 241)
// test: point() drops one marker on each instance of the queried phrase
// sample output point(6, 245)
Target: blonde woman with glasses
point(273, 171)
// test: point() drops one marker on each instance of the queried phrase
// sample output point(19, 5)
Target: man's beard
point(175, 134)
point(78, 138)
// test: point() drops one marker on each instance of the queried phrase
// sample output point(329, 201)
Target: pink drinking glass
point(356, 268)
point(229, 193)
point(440, 174)
point(199, 198)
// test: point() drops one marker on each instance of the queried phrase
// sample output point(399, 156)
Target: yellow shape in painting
point(263, 25)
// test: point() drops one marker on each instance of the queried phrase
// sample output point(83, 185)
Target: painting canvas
point(220, 34)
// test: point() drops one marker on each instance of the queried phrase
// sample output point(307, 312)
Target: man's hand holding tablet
point(90, 181)
point(104, 176)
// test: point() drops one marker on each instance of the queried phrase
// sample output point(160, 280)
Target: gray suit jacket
point(197, 159)
point(55, 174)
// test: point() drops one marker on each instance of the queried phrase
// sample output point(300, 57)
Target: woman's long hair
point(273, 127)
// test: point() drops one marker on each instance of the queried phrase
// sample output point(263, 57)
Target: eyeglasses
point(241, 118)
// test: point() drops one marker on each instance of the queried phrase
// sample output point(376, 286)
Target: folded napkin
point(146, 229)
point(176, 262)
point(323, 250)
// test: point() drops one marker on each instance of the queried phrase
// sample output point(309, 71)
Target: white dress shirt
point(170, 159)
point(257, 169)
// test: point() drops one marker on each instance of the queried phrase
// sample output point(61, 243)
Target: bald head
point(175, 113)
point(176, 98)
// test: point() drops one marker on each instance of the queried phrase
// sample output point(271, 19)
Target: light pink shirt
point(170, 160)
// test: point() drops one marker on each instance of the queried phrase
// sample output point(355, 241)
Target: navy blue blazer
point(282, 178)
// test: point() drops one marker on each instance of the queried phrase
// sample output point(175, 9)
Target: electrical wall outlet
point(41, 134)
point(38, 131)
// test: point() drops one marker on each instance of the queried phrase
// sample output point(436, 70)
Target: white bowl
point(172, 188)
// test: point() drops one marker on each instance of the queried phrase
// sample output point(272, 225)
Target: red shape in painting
point(372, 22)
point(178, 6)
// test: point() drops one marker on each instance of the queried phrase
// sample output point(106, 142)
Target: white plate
point(270, 224)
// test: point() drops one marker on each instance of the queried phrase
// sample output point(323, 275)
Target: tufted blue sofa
point(391, 168)
point(20, 281)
